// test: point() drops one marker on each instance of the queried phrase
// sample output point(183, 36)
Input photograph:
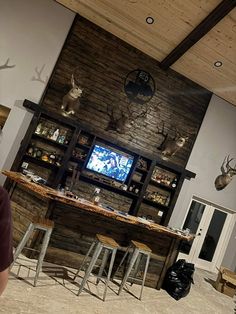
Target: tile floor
point(56, 294)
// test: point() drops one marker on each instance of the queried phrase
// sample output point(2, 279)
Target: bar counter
point(78, 220)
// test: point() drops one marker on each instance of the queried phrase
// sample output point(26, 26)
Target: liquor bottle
point(62, 137)
point(30, 150)
point(96, 196)
point(39, 128)
point(55, 135)
point(45, 131)
point(52, 157)
point(174, 183)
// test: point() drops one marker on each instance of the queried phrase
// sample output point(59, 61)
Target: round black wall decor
point(139, 86)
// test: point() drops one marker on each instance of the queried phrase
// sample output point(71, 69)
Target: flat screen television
point(110, 162)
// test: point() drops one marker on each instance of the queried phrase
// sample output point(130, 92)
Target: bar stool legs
point(46, 240)
point(42, 225)
point(96, 253)
point(110, 246)
point(138, 250)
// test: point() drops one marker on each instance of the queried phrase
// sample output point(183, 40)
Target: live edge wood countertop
point(51, 194)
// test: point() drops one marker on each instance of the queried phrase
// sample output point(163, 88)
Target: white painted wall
point(215, 140)
point(32, 33)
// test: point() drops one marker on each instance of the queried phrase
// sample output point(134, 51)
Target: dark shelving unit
point(82, 139)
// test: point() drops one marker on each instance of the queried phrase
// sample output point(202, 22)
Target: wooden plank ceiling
point(174, 20)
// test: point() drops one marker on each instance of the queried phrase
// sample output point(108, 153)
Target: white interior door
point(212, 227)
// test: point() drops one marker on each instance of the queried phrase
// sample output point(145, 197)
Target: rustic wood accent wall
point(100, 63)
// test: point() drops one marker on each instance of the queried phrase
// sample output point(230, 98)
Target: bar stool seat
point(136, 250)
point(110, 246)
point(40, 224)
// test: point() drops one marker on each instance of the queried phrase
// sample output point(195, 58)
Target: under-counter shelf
point(155, 204)
point(79, 160)
point(141, 170)
point(107, 186)
point(83, 146)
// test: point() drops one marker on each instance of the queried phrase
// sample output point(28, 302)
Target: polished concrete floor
point(56, 294)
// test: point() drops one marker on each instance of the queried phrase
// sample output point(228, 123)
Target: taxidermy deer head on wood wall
point(70, 102)
point(170, 145)
point(227, 174)
point(120, 120)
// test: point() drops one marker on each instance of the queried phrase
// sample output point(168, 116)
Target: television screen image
point(110, 163)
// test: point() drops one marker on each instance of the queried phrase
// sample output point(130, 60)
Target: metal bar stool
point(45, 225)
point(137, 250)
point(110, 246)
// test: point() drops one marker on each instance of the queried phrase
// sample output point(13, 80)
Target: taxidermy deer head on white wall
point(170, 145)
point(70, 103)
point(227, 174)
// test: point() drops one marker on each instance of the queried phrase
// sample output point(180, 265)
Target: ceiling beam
point(197, 33)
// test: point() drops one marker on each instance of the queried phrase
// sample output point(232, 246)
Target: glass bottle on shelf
point(39, 128)
point(30, 150)
point(167, 201)
point(96, 196)
point(45, 156)
point(45, 131)
point(52, 157)
point(62, 137)
point(174, 183)
point(55, 135)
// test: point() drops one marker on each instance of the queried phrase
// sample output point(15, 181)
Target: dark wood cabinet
point(58, 148)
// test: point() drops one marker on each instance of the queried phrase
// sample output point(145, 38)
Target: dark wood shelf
point(155, 204)
point(83, 146)
point(162, 186)
point(78, 129)
point(141, 170)
point(107, 186)
point(48, 140)
point(41, 162)
point(136, 181)
point(74, 159)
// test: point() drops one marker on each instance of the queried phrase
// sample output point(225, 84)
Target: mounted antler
point(6, 66)
point(116, 123)
point(170, 145)
point(121, 120)
point(227, 174)
point(38, 75)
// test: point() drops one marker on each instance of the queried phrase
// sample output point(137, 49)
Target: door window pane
point(212, 235)
point(192, 222)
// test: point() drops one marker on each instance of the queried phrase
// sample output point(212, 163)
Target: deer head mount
point(227, 174)
point(170, 145)
point(70, 102)
point(120, 120)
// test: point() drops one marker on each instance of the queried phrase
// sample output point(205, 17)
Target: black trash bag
point(178, 279)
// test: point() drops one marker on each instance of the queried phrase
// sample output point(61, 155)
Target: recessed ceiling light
point(149, 20)
point(218, 64)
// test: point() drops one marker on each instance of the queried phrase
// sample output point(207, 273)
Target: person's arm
point(3, 280)
point(6, 256)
